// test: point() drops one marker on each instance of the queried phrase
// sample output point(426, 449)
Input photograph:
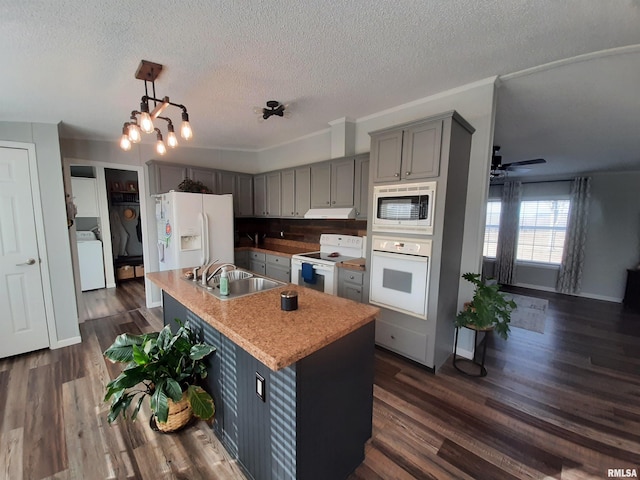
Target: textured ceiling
point(74, 61)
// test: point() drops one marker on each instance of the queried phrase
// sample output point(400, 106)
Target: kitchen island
point(293, 390)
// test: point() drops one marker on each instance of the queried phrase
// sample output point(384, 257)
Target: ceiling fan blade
point(533, 161)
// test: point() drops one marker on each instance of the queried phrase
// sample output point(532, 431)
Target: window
point(491, 229)
point(543, 225)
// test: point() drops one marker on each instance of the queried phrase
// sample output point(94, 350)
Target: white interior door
point(23, 319)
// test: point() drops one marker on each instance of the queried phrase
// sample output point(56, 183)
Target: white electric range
point(334, 249)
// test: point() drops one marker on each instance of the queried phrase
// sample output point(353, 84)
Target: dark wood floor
point(564, 404)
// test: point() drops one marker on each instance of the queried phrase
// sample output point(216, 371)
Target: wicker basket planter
point(180, 414)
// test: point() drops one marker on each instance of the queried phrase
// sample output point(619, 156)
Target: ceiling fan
point(498, 169)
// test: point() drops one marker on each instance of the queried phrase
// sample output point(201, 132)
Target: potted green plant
point(488, 310)
point(166, 367)
point(193, 186)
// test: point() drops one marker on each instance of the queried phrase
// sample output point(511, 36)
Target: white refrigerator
point(194, 229)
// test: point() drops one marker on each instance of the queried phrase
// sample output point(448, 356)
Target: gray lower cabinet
point(257, 262)
point(278, 267)
point(351, 284)
point(242, 259)
point(314, 416)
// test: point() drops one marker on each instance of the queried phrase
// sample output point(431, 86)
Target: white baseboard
point(594, 296)
point(66, 342)
point(154, 304)
point(111, 285)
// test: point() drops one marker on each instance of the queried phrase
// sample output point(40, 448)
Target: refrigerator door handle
point(205, 238)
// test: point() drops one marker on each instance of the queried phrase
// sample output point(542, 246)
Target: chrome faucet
point(213, 274)
point(205, 269)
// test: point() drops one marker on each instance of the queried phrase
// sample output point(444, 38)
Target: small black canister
point(289, 300)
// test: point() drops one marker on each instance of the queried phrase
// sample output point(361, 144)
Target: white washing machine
point(91, 261)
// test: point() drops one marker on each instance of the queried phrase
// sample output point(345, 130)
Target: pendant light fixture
point(142, 120)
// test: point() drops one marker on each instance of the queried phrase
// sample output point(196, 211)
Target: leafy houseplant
point(193, 186)
point(164, 366)
point(489, 308)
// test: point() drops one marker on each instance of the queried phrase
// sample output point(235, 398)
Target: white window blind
point(492, 228)
point(543, 226)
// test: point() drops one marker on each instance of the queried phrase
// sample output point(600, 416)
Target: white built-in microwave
point(404, 208)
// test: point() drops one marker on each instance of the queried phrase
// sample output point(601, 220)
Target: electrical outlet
point(260, 387)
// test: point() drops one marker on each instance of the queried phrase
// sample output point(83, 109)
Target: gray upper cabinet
point(274, 198)
point(244, 196)
point(164, 177)
point(289, 193)
point(226, 183)
point(260, 195)
point(342, 177)
point(303, 191)
point(208, 177)
point(321, 185)
point(361, 187)
point(407, 154)
point(332, 184)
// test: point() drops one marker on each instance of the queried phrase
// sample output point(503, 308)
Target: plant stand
point(483, 343)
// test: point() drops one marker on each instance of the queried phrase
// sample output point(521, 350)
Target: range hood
point(331, 213)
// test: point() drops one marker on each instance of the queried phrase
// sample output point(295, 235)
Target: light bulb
point(134, 133)
point(146, 124)
point(185, 130)
point(125, 143)
point(172, 141)
point(160, 148)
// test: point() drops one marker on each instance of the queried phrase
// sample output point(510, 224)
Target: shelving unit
point(124, 198)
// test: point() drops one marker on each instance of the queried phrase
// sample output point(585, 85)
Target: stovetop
point(332, 257)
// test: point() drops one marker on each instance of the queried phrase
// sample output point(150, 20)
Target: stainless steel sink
point(232, 275)
point(241, 283)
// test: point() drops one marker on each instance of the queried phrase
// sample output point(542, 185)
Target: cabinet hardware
point(396, 174)
point(407, 173)
point(334, 202)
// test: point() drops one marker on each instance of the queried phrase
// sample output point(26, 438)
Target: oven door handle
point(402, 256)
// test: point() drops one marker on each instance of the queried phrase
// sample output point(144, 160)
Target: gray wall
point(49, 162)
point(613, 238)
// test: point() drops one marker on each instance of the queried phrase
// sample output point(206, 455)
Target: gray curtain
point(508, 237)
point(570, 275)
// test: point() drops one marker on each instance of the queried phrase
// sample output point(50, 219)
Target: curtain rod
point(538, 181)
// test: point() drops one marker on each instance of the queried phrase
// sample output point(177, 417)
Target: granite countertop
point(258, 325)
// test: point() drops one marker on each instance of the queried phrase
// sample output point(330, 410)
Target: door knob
point(31, 261)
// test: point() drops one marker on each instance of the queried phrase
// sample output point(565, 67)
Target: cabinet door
point(352, 292)
point(421, 151)
point(361, 184)
point(85, 196)
point(168, 177)
point(279, 273)
point(207, 176)
point(303, 191)
point(256, 266)
point(274, 199)
point(321, 185)
point(244, 189)
point(226, 183)
point(260, 195)
point(289, 193)
point(386, 156)
point(342, 176)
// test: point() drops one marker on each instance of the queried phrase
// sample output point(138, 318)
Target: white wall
point(49, 162)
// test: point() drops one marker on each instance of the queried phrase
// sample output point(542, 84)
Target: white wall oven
point(400, 274)
point(404, 208)
point(318, 270)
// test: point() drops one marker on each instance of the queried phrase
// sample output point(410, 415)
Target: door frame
point(47, 293)
point(103, 208)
